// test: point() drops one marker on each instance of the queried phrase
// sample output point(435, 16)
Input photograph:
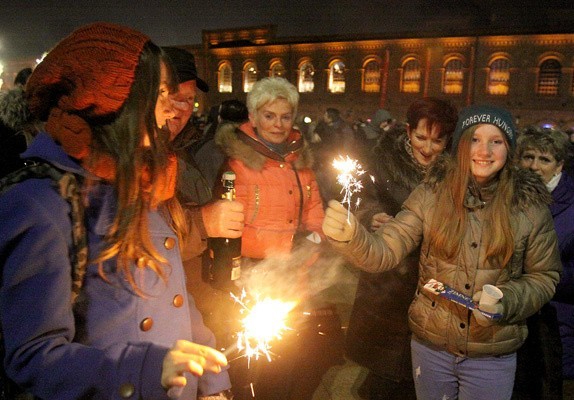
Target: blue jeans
point(440, 375)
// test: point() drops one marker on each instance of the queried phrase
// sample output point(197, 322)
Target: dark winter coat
point(378, 336)
point(562, 210)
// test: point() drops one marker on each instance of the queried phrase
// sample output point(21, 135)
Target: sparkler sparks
point(264, 322)
point(349, 172)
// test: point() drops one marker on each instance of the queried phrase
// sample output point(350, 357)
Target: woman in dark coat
point(378, 336)
point(541, 363)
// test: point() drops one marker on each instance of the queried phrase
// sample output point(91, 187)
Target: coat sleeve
point(540, 270)
point(36, 316)
point(386, 248)
point(195, 242)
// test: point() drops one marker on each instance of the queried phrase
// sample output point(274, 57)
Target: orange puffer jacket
point(279, 192)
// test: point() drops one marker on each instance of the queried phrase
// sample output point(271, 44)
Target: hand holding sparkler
point(349, 178)
point(190, 357)
point(339, 224)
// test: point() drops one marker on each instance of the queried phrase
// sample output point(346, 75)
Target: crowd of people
point(109, 192)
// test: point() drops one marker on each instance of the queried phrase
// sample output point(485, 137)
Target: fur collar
point(391, 160)
point(529, 190)
point(14, 111)
point(254, 153)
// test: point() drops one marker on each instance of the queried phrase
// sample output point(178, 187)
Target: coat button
point(178, 300)
point(141, 262)
point(169, 243)
point(281, 165)
point(127, 390)
point(467, 286)
point(146, 324)
point(462, 325)
point(474, 245)
point(290, 192)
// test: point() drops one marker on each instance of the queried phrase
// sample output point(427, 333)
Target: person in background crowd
point(378, 335)
point(194, 188)
point(479, 220)
point(277, 187)
point(541, 366)
point(16, 129)
point(126, 328)
point(368, 134)
point(191, 186)
point(207, 154)
point(337, 139)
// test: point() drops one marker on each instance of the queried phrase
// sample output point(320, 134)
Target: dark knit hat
point(484, 114)
point(184, 64)
point(91, 71)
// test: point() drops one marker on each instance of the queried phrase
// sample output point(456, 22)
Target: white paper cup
point(490, 295)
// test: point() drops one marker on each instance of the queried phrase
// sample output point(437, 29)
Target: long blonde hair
point(450, 220)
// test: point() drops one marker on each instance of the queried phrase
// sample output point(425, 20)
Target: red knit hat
point(88, 74)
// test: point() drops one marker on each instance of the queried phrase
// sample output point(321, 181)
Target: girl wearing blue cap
point(478, 220)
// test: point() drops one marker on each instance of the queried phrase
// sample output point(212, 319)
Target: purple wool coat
point(114, 341)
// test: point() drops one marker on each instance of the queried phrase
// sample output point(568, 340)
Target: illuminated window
point(306, 75)
point(249, 76)
point(549, 77)
point(372, 77)
point(277, 69)
point(224, 78)
point(337, 77)
point(499, 76)
point(411, 80)
point(453, 78)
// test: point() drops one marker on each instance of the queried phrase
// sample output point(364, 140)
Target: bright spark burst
point(349, 173)
point(264, 322)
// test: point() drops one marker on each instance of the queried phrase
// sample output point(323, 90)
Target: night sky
point(28, 28)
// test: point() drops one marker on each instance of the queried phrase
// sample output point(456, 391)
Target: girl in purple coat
point(124, 326)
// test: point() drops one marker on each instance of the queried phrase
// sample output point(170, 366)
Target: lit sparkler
point(349, 172)
point(264, 322)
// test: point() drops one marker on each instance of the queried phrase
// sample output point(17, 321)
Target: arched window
point(306, 74)
point(277, 69)
point(372, 76)
point(249, 76)
point(411, 76)
point(499, 76)
point(453, 78)
point(224, 75)
point(337, 77)
point(549, 77)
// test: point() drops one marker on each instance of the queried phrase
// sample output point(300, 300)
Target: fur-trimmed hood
point(14, 111)
point(529, 190)
point(239, 141)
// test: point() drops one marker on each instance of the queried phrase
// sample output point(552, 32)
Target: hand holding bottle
point(223, 218)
